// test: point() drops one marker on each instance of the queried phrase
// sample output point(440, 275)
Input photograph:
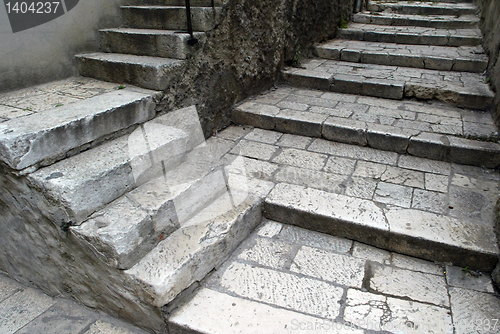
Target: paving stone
point(21, 308)
point(267, 252)
point(234, 314)
point(337, 268)
point(234, 132)
point(411, 263)
point(474, 312)
point(63, 317)
point(344, 130)
point(308, 177)
point(300, 122)
point(255, 168)
point(369, 169)
point(424, 165)
point(393, 194)
point(255, 114)
point(340, 165)
point(376, 312)
point(366, 252)
point(254, 149)
point(322, 241)
point(300, 158)
point(294, 141)
point(470, 205)
point(104, 327)
point(424, 287)
point(7, 288)
point(269, 228)
point(436, 182)
point(282, 289)
point(403, 177)
point(430, 201)
point(263, 136)
point(462, 278)
point(361, 187)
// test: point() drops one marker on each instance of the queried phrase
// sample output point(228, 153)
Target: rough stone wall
point(490, 25)
point(244, 54)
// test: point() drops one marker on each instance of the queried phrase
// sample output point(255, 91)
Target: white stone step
point(46, 136)
point(169, 17)
point(410, 35)
point(148, 72)
point(412, 232)
point(461, 89)
point(423, 7)
point(195, 249)
point(431, 21)
point(427, 130)
point(464, 58)
point(148, 42)
point(85, 183)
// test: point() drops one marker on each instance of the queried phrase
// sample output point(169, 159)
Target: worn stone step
point(148, 42)
point(87, 182)
point(429, 130)
point(49, 135)
point(196, 248)
point(423, 7)
point(464, 58)
point(169, 17)
point(131, 226)
point(407, 231)
point(143, 71)
point(410, 35)
point(462, 89)
point(431, 21)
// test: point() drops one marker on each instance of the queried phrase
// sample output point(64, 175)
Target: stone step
point(464, 58)
point(431, 21)
point(429, 130)
point(87, 182)
point(407, 231)
point(196, 248)
point(410, 35)
point(131, 226)
point(147, 72)
point(423, 8)
point(461, 89)
point(169, 18)
point(49, 135)
point(148, 42)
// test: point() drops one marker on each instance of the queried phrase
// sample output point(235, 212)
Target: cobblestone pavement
point(284, 279)
point(25, 310)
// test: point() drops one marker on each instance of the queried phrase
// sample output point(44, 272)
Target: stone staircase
point(148, 51)
point(383, 143)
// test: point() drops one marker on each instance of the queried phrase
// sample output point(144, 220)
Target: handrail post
point(191, 40)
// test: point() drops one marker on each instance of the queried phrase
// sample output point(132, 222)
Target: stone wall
point(46, 52)
point(490, 25)
point(244, 54)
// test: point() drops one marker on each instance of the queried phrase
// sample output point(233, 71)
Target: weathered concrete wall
point(246, 51)
point(490, 25)
point(46, 52)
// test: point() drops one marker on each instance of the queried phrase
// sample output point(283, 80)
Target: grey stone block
point(255, 114)
point(345, 131)
point(350, 55)
point(389, 138)
point(300, 122)
point(390, 89)
point(309, 79)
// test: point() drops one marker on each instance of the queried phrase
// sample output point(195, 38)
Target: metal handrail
point(191, 40)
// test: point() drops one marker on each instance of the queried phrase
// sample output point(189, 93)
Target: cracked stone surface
point(322, 289)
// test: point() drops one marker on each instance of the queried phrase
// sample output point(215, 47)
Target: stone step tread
point(87, 182)
point(148, 42)
point(49, 135)
point(464, 58)
point(143, 71)
point(462, 89)
point(410, 35)
point(412, 232)
point(169, 17)
point(424, 7)
point(431, 130)
point(196, 248)
point(284, 278)
point(435, 21)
